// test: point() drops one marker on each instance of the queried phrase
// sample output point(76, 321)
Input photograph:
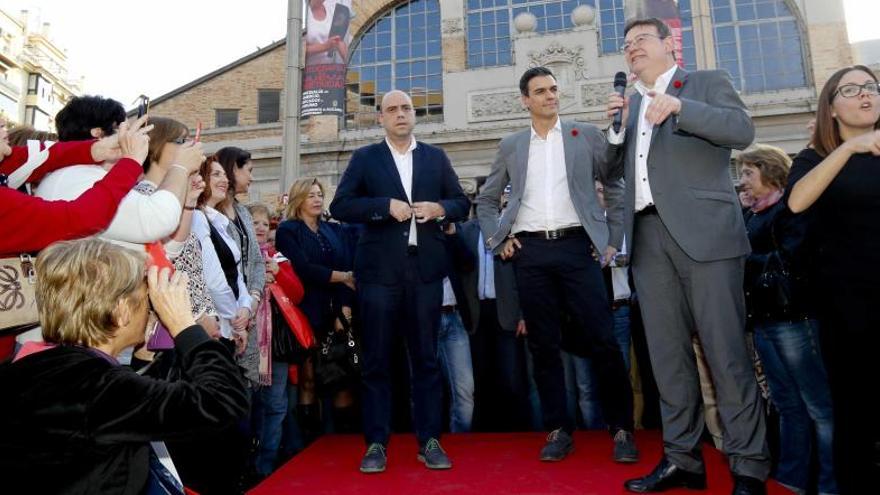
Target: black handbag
point(774, 289)
point(338, 358)
point(285, 347)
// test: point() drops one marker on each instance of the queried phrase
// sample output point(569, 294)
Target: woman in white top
point(221, 258)
point(321, 48)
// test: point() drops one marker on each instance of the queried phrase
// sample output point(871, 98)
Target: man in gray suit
point(554, 229)
point(688, 243)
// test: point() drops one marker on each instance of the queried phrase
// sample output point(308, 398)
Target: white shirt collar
point(660, 84)
point(412, 146)
point(556, 127)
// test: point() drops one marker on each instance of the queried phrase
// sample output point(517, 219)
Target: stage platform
point(483, 464)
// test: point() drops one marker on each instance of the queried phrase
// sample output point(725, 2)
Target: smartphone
point(198, 131)
point(143, 105)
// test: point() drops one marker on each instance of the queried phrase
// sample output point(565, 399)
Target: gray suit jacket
point(587, 156)
point(688, 166)
point(506, 297)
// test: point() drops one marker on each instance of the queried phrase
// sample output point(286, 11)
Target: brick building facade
point(779, 53)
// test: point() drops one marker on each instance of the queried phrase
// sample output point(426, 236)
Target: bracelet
point(189, 208)
point(181, 167)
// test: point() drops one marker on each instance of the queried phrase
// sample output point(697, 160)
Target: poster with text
point(326, 43)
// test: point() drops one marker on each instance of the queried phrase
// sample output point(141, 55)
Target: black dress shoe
point(665, 476)
point(746, 485)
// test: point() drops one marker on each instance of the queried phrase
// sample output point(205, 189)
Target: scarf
point(264, 329)
point(767, 201)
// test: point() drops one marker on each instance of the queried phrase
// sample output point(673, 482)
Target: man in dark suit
point(497, 334)
point(554, 229)
point(401, 190)
point(687, 238)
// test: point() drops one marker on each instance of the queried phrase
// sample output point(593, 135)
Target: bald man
point(402, 191)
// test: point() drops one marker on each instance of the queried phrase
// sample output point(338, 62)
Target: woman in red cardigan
point(30, 224)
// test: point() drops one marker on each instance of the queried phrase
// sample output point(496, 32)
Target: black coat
point(73, 422)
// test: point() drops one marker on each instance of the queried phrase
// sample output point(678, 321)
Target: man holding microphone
point(687, 240)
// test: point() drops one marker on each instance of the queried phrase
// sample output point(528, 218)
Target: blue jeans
point(454, 349)
point(799, 390)
point(274, 409)
point(581, 380)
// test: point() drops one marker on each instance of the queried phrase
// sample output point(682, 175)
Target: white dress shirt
point(486, 277)
point(644, 198)
point(404, 165)
point(448, 293)
point(546, 203)
point(224, 299)
point(620, 278)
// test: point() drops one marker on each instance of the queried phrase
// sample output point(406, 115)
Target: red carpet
point(483, 464)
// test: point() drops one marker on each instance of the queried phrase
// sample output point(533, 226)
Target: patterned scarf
point(264, 329)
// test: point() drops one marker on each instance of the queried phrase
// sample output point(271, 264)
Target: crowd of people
point(610, 279)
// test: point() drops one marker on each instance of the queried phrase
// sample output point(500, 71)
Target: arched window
point(759, 43)
point(688, 47)
point(400, 50)
point(490, 25)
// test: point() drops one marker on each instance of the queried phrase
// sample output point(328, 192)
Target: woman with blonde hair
point(320, 253)
point(75, 420)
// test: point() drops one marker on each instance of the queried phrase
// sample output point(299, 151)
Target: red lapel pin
point(676, 84)
point(574, 132)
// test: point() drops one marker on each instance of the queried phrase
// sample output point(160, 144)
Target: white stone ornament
point(583, 15)
point(525, 22)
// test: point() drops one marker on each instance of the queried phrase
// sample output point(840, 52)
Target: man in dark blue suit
point(401, 190)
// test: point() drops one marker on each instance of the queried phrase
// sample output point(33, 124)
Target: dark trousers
point(555, 277)
point(850, 339)
point(500, 378)
point(412, 308)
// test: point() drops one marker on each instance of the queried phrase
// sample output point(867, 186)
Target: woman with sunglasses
point(837, 183)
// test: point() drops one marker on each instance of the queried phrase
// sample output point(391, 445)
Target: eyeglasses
point(853, 90)
point(638, 41)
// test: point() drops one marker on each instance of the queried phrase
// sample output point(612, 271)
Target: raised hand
point(661, 107)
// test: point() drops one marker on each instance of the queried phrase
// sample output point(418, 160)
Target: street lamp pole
point(290, 167)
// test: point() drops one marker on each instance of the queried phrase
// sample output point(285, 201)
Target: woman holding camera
point(837, 183)
point(75, 420)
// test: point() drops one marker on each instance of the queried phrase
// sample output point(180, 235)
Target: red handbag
point(295, 318)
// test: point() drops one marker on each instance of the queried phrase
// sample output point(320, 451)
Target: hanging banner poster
point(326, 42)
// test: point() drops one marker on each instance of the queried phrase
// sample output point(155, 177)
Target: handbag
point(18, 303)
point(289, 321)
point(339, 358)
point(774, 291)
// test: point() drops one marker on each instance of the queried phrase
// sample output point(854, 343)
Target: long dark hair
point(231, 158)
point(826, 134)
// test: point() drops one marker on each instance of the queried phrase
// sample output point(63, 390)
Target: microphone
point(619, 88)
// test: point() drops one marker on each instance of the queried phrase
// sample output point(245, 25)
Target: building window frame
point(393, 57)
point(226, 117)
point(730, 22)
point(268, 111)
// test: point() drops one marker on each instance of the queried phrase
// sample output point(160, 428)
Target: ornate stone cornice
point(556, 53)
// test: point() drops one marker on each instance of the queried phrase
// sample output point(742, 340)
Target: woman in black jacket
point(837, 182)
point(782, 314)
point(320, 254)
point(74, 420)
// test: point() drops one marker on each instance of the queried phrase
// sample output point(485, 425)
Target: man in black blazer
point(401, 190)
